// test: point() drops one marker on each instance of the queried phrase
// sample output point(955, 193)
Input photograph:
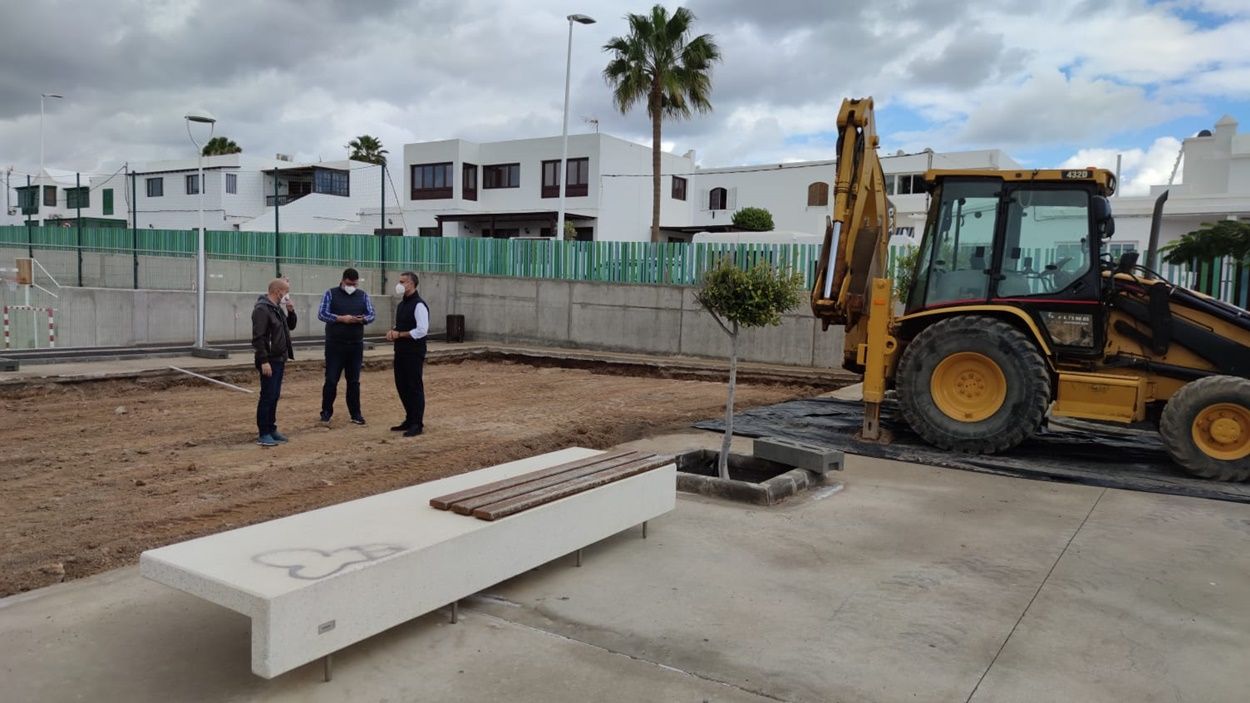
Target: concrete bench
point(320, 581)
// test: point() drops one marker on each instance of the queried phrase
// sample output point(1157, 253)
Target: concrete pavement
point(910, 584)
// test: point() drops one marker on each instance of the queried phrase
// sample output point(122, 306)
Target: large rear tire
point(1206, 428)
point(973, 384)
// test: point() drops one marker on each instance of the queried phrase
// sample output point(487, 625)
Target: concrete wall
point(88, 317)
point(631, 318)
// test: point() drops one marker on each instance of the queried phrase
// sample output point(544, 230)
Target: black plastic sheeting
point(1119, 458)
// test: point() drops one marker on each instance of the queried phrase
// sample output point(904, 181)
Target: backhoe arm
point(849, 289)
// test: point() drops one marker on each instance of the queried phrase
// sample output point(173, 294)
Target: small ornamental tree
point(736, 299)
point(753, 219)
point(1214, 240)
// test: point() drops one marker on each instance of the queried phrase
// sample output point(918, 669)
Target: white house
point(507, 189)
point(241, 192)
point(1215, 185)
point(511, 188)
point(58, 196)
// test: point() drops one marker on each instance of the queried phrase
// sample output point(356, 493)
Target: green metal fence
point(608, 262)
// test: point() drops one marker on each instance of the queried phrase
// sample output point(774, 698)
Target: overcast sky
point(1052, 83)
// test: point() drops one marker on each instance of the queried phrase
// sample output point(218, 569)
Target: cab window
point(1046, 246)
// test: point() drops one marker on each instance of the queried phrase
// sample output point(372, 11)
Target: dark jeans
point(411, 387)
point(342, 357)
point(270, 391)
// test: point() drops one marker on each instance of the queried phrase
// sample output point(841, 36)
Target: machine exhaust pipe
point(1156, 222)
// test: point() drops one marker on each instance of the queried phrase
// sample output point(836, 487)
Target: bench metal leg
point(579, 557)
point(644, 529)
point(455, 611)
point(327, 663)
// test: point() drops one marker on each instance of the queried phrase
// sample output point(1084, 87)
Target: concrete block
point(639, 296)
point(554, 311)
point(649, 330)
point(798, 454)
point(320, 581)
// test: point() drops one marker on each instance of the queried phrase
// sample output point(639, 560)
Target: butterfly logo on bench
point(313, 564)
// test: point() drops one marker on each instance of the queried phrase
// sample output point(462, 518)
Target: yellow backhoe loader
point(1014, 314)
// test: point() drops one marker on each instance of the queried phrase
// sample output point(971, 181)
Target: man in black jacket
point(346, 310)
point(271, 340)
point(412, 323)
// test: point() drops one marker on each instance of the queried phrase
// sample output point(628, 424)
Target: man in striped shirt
point(346, 310)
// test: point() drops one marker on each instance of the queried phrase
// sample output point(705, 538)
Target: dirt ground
point(93, 474)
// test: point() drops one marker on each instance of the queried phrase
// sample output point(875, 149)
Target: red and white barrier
point(34, 316)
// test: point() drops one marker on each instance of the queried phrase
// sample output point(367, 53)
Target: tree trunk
point(722, 466)
point(655, 170)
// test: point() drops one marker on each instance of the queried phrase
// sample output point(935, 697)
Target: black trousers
point(411, 387)
point(342, 358)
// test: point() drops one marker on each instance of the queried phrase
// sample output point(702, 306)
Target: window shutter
point(703, 199)
point(732, 200)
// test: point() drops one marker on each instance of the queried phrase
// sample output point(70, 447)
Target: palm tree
point(220, 145)
point(658, 65)
point(367, 148)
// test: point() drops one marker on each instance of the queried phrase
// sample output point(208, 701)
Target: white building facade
point(458, 188)
point(1215, 185)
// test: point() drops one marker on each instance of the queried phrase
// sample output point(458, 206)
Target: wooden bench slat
point(467, 506)
point(565, 489)
point(445, 502)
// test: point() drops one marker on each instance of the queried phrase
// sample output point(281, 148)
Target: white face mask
point(399, 289)
point(349, 289)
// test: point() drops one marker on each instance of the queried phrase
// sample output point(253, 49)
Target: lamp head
point(581, 19)
point(52, 95)
point(200, 116)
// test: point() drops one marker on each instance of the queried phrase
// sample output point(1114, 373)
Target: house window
point(909, 183)
point(551, 179)
point(469, 185)
point(49, 196)
point(431, 181)
point(28, 199)
point(328, 182)
point(106, 197)
point(429, 232)
point(716, 199)
point(501, 176)
point(818, 195)
point(578, 173)
point(156, 187)
point(77, 197)
point(679, 188)
point(232, 183)
point(193, 184)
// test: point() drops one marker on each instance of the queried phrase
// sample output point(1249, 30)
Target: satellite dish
point(1205, 133)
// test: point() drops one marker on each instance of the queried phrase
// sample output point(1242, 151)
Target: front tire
point(973, 384)
point(1206, 428)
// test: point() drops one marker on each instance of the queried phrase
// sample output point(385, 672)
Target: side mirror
point(1104, 223)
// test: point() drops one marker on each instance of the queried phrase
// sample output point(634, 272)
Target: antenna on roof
point(593, 122)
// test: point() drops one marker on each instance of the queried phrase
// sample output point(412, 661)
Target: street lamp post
point(204, 117)
point(42, 98)
point(563, 175)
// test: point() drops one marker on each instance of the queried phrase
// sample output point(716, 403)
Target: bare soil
point(93, 474)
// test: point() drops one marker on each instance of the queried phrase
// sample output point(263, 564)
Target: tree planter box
point(751, 480)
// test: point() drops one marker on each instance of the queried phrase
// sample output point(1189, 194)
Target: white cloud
point(304, 77)
point(1139, 168)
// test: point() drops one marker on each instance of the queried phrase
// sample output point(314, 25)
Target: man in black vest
point(346, 310)
point(412, 323)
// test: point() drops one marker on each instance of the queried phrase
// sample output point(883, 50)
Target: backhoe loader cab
point(1030, 240)
point(1014, 314)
